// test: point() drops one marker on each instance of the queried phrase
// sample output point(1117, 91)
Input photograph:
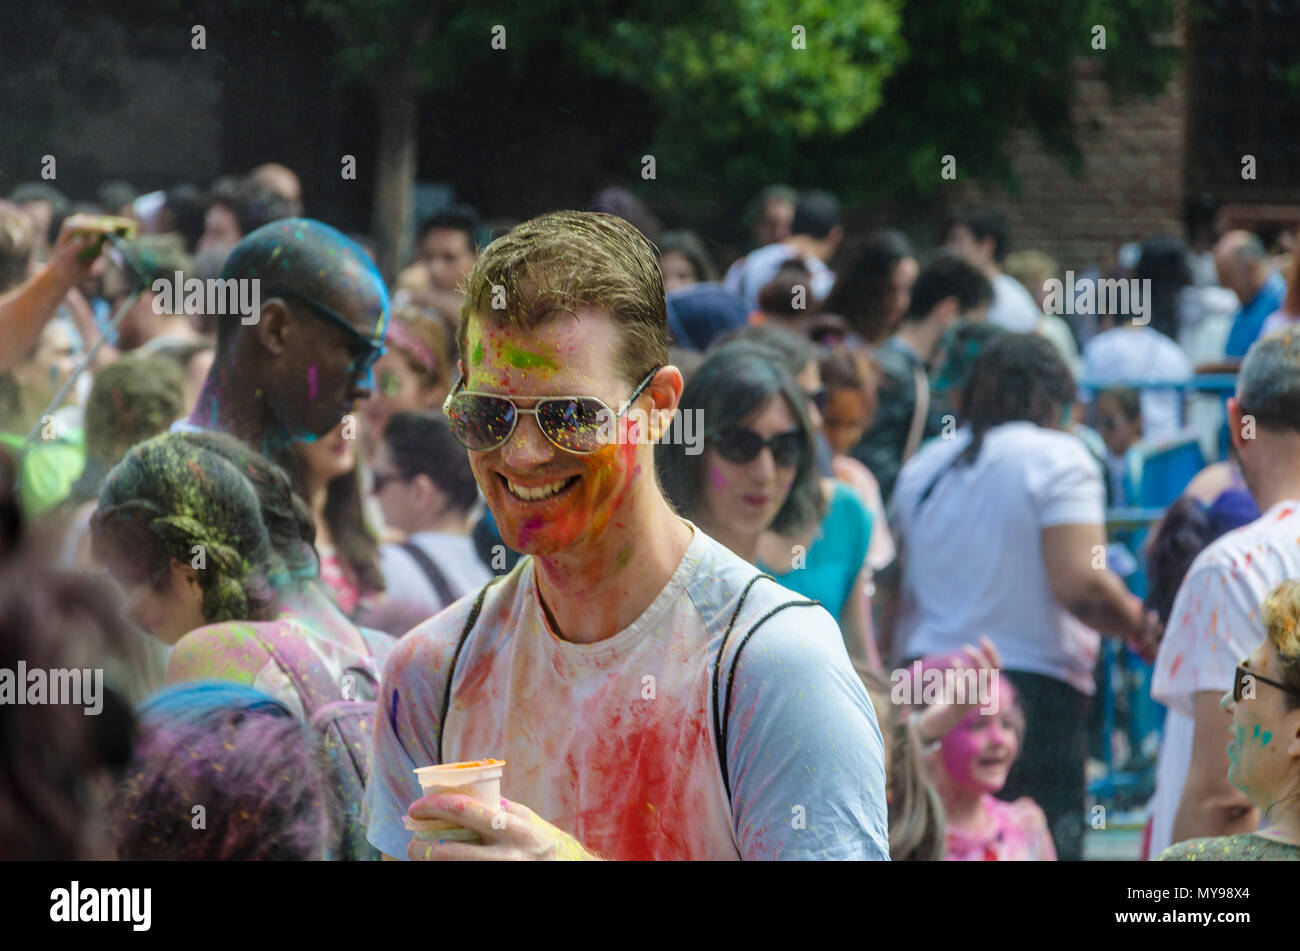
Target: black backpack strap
point(451, 671)
point(722, 713)
point(431, 571)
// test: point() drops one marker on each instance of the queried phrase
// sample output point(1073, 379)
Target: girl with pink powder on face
point(969, 765)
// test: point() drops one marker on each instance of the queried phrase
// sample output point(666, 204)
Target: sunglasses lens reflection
point(481, 422)
point(572, 424)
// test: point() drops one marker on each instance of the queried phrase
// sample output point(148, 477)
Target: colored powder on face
point(527, 360)
point(716, 478)
point(477, 356)
point(1256, 733)
point(623, 559)
point(1263, 740)
point(311, 382)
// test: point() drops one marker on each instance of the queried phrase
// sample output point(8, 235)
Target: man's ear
point(665, 393)
point(1235, 424)
point(274, 327)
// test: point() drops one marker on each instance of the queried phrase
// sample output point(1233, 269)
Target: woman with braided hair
point(216, 555)
point(179, 527)
point(217, 552)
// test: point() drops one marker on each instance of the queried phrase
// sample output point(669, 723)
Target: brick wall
point(1132, 184)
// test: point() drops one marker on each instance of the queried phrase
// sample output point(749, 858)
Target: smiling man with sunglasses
point(607, 668)
point(292, 374)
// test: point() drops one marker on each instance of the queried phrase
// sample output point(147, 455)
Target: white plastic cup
point(480, 779)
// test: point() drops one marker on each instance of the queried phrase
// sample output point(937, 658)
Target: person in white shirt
point(1128, 354)
point(772, 215)
point(1214, 622)
point(815, 235)
point(981, 238)
point(426, 488)
point(998, 529)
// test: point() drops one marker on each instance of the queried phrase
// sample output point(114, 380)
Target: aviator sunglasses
point(576, 424)
point(741, 446)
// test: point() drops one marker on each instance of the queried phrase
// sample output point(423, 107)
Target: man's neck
point(1253, 295)
point(226, 404)
point(591, 595)
point(921, 335)
point(1278, 477)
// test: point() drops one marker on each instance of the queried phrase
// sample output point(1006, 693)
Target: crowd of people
point(676, 538)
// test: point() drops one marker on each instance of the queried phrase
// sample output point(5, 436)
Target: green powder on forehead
point(526, 360)
point(477, 356)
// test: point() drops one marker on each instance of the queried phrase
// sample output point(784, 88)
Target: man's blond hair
point(562, 262)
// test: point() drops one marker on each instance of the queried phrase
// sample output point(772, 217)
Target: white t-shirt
point(614, 742)
point(1213, 624)
point(407, 584)
point(973, 553)
point(1013, 307)
point(764, 264)
point(1127, 354)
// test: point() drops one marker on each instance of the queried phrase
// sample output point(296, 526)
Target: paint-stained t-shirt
point(614, 742)
point(1213, 625)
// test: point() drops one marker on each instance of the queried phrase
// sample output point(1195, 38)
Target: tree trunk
point(392, 223)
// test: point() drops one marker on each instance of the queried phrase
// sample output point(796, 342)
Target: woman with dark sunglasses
point(1264, 752)
point(757, 475)
point(756, 470)
point(824, 558)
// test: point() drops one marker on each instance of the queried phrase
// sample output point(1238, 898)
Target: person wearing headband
point(415, 374)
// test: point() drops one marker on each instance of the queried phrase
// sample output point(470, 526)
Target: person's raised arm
point(26, 309)
point(1211, 806)
point(1096, 596)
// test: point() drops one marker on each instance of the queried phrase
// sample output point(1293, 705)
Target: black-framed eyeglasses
point(740, 446)
point(578, 424)
point(372, 349)
point(381, 480)
point(1239, 683)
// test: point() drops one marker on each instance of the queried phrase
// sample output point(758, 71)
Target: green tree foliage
point(744, 86)
point(865, 99)
point(979, 69)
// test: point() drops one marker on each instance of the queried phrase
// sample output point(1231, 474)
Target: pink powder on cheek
point(961, 748)
point(311, 382)
point(716, 478)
